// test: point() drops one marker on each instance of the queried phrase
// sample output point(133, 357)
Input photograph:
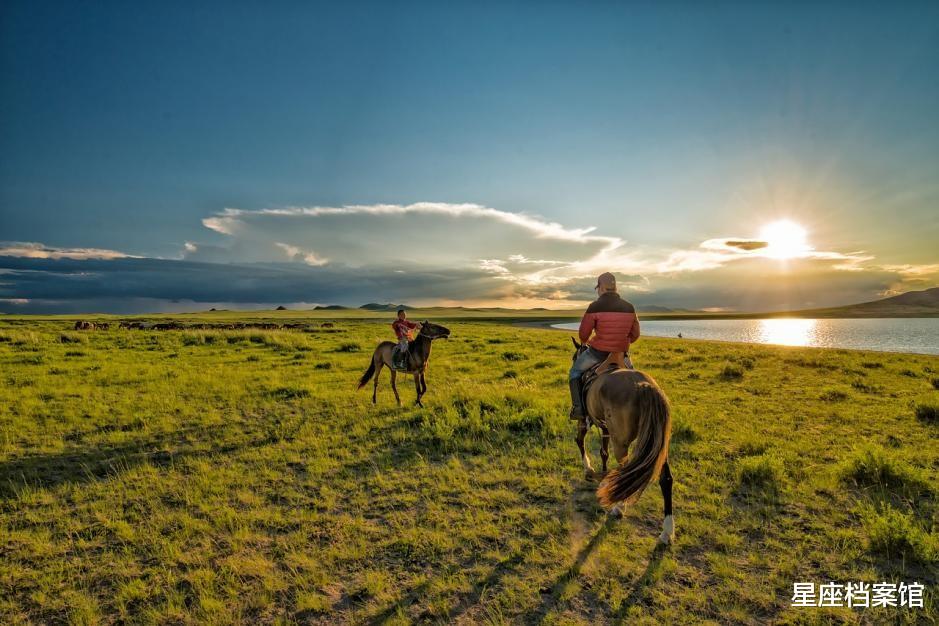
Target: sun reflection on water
point(788, 332)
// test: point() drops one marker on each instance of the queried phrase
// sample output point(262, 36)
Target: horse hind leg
point(619, 453)
point(668, 526)
point(417, 387)
point(375, 387)
point(584, 457)
point(394, 386)
point(604, 449)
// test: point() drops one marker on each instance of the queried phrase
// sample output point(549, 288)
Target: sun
point(784, 240)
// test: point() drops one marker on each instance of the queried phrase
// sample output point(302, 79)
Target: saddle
point(614, 361)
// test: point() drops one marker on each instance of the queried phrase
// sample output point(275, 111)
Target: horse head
point(434, 331)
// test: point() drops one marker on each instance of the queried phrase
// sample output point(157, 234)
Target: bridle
point(431, 337)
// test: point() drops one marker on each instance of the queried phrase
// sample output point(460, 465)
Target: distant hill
point(374, 306)
point(923, 303)
point(926, 297)
point(331, 307)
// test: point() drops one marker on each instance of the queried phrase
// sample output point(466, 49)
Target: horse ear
point(425, 323)
point(576, 345)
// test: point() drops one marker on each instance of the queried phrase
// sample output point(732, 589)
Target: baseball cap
point(607, 279)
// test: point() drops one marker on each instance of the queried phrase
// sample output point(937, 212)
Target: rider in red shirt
point(403, 328)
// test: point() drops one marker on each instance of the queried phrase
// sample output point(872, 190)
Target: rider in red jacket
point(614, 326)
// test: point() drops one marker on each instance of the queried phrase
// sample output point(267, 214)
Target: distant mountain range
point(375, 306)
point(911, 304)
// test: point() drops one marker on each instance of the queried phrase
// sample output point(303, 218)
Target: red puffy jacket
point(612, 321)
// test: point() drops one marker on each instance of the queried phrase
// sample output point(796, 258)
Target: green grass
point(236, 477)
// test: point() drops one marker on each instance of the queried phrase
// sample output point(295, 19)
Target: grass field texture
point(237, 477)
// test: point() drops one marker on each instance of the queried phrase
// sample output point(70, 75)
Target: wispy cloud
point(230, 220)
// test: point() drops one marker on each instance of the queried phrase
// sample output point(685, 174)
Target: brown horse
point(418, 354)
point(629, 406)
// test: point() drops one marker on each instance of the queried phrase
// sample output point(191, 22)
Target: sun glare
point(784, 239)
point(787, 331)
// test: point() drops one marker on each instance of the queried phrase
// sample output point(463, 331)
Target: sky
point(722, 156)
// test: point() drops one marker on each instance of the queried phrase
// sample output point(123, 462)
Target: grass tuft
point(763, 475)
point(873, 467)
point(833, 395)
point(731, 372)
point(927, 413)
point(288, 393)
point(896, 535)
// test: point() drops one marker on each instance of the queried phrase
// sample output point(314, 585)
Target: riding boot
point(577, 411)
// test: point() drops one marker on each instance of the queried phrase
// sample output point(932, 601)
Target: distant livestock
point(174, 325)
point(86, 325)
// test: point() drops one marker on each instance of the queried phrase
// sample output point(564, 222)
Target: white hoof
point(616, 512)
point(668, 531)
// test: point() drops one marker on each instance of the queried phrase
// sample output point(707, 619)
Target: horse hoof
point(616, 512)
point(668, 531)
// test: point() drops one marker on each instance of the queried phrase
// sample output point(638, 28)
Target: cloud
point(231, 220)
point(33, 250)
point(308, 256)
point(428, 253)
point(747, 245)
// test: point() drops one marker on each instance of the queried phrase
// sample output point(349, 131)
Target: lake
point(919, 335)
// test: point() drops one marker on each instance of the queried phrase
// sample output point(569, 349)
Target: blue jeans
point(587, 359)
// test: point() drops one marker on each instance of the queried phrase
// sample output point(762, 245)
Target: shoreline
point(549, 325)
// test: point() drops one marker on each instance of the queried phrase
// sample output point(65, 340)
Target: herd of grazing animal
point(135, 325)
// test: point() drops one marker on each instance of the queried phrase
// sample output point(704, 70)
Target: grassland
point(235, 476)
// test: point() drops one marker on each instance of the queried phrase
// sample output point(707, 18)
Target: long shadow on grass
point(498, 572)
point(553, 595)
point(87, 464)
point(643, 583)
point(584, 513)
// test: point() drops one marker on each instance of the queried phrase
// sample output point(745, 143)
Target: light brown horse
point(629, 406)
point(418, 354)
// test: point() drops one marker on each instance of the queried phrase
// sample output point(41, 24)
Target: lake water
point(920, 335)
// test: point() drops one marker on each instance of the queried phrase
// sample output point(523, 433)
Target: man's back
point(614, 322)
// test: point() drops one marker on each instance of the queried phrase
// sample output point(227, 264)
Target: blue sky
point(130, 131)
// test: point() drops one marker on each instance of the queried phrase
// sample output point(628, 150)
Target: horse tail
point(367, 376)
point(627, 482)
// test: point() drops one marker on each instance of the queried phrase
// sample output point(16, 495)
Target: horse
point(418, 355)
point(629, 406)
